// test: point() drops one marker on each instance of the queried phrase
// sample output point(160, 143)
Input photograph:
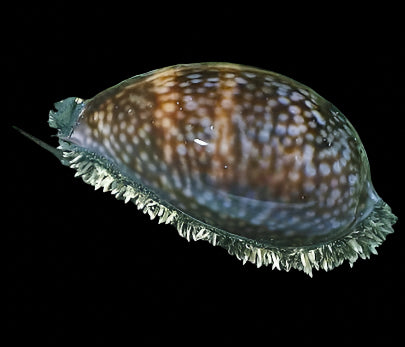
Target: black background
point(84, 267)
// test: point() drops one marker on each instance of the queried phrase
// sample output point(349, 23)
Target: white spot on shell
point(298, 119)
point(272, 103)
point(352, 179)
point(226, 103)
point(294, 109)
point(309, 187)
point(309, 137)
point(293, 130)
point(130, 129)
point(161, 90)
point(264, 136)
point(318, 117)
point(193, 76)
point(240, 80)
point(250, 74)
point(280, 129)
point(129, 148)
point(310, 170)
point(295, 96)
point(184, 84)
point(308, 153)
point(169, 107)
point(282, 117)
point(191, 105)
point(144, 156)
point(335, 194)
point(336, 167)
point(324, 169)
point(181, 149)
point(283, 100)
point(258, 108)
point(346, 153)
point(126, 158)
point(293, 176)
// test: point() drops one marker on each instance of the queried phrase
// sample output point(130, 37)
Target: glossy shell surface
point(244, 158)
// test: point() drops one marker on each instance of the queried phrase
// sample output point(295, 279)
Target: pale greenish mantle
point(362, 242)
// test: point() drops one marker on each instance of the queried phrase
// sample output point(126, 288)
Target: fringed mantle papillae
point(361, 242)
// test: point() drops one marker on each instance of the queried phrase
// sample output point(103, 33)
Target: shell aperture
point(244, 158)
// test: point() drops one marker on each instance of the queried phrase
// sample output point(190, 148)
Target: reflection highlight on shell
point(246, 159)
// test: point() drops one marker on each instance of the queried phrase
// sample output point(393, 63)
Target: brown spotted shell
point(232, 154)
point(248, 151)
